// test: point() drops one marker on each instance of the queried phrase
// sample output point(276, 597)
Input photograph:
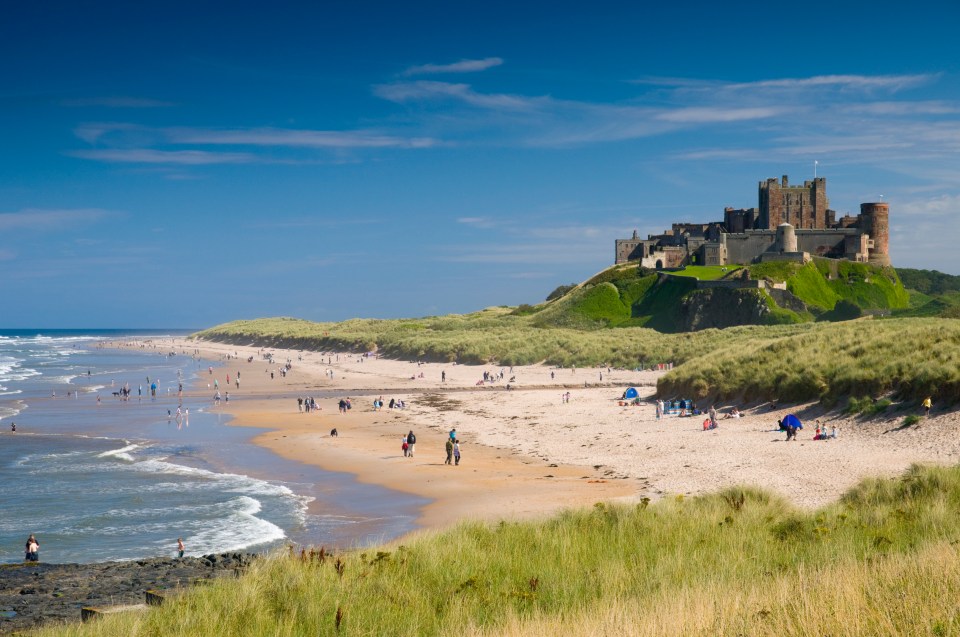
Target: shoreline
point(529, 453)
point(492, 482)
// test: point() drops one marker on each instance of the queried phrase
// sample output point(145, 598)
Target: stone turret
point(786, 238)
point(875, 221)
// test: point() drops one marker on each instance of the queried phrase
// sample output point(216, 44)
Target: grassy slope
point(883, 560)
point(787, 361)
point(910, 357)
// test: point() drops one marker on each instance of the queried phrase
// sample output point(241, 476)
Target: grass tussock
point(883, 560)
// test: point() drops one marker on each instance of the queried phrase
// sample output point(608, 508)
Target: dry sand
point(527, 453)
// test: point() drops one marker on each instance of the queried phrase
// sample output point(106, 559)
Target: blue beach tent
point(630, 393)
point(792, 421)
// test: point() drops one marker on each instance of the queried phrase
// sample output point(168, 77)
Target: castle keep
point(790, 223)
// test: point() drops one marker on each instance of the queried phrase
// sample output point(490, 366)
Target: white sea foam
point(238, 530)
point(123, 454)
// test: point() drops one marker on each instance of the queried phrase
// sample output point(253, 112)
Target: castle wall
point(745, 247)
point(746, 234)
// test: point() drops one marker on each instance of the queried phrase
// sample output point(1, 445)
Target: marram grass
point(910, 357)
point(883, 560)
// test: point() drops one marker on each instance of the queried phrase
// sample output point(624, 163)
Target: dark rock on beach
point(32, 594)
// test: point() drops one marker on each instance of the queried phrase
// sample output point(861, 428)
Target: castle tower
point(875, 221)
point(786, 238)
point(801, 206)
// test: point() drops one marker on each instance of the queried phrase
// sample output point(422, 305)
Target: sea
point(96, 478)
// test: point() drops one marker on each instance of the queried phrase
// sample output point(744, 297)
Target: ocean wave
point(123, 454)
point(237, 531)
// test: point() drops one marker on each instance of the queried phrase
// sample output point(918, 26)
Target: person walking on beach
point(32, 549)
point(456, 452)
point(180, 548)
point(449, 448)
point(411, 443)
point(927, 404)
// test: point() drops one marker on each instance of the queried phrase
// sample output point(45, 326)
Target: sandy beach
point(526, 451)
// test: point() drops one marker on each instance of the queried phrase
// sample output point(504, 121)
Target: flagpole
point(815, 162)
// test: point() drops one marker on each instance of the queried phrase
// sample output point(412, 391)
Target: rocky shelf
point(34, 594)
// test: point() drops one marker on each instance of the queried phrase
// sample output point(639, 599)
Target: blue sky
point(185, 164)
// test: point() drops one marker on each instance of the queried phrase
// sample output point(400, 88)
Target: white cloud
point(49, 219)
point(709, 115)
point(152, 156)
point(923, 232)
point(463, 66)
point(933, 207)
point(477, 222)
point(855, 82)
point(294, 138)
point(430, 90)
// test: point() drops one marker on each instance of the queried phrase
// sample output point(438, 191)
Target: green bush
point(560, 290)
point(844, 310)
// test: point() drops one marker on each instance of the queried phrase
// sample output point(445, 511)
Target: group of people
point(683, 408)
point(408, 444)
point(453, 448)
point(307, 404)
point(393, 404)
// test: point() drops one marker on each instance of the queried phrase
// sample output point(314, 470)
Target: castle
point(791, 223)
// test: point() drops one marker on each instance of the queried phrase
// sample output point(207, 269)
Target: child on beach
point(180, 547)
point(456, 453)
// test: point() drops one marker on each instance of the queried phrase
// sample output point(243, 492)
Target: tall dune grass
point(883, 560)
point(910, 357)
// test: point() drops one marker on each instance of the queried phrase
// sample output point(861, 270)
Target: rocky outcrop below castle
point(38, 594)
point(722, 307)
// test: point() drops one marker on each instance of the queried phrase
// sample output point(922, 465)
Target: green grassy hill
point(932, 293)
point(631, 318)
point(625, 295)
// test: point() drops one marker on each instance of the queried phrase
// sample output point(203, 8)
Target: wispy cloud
point(477, 222)
point(463, 66)
point(431, 90)
point(294, 138)
point(708, 115)
point(50, 219)
point(854, 82)
point(116, 102)
point(152, 156)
